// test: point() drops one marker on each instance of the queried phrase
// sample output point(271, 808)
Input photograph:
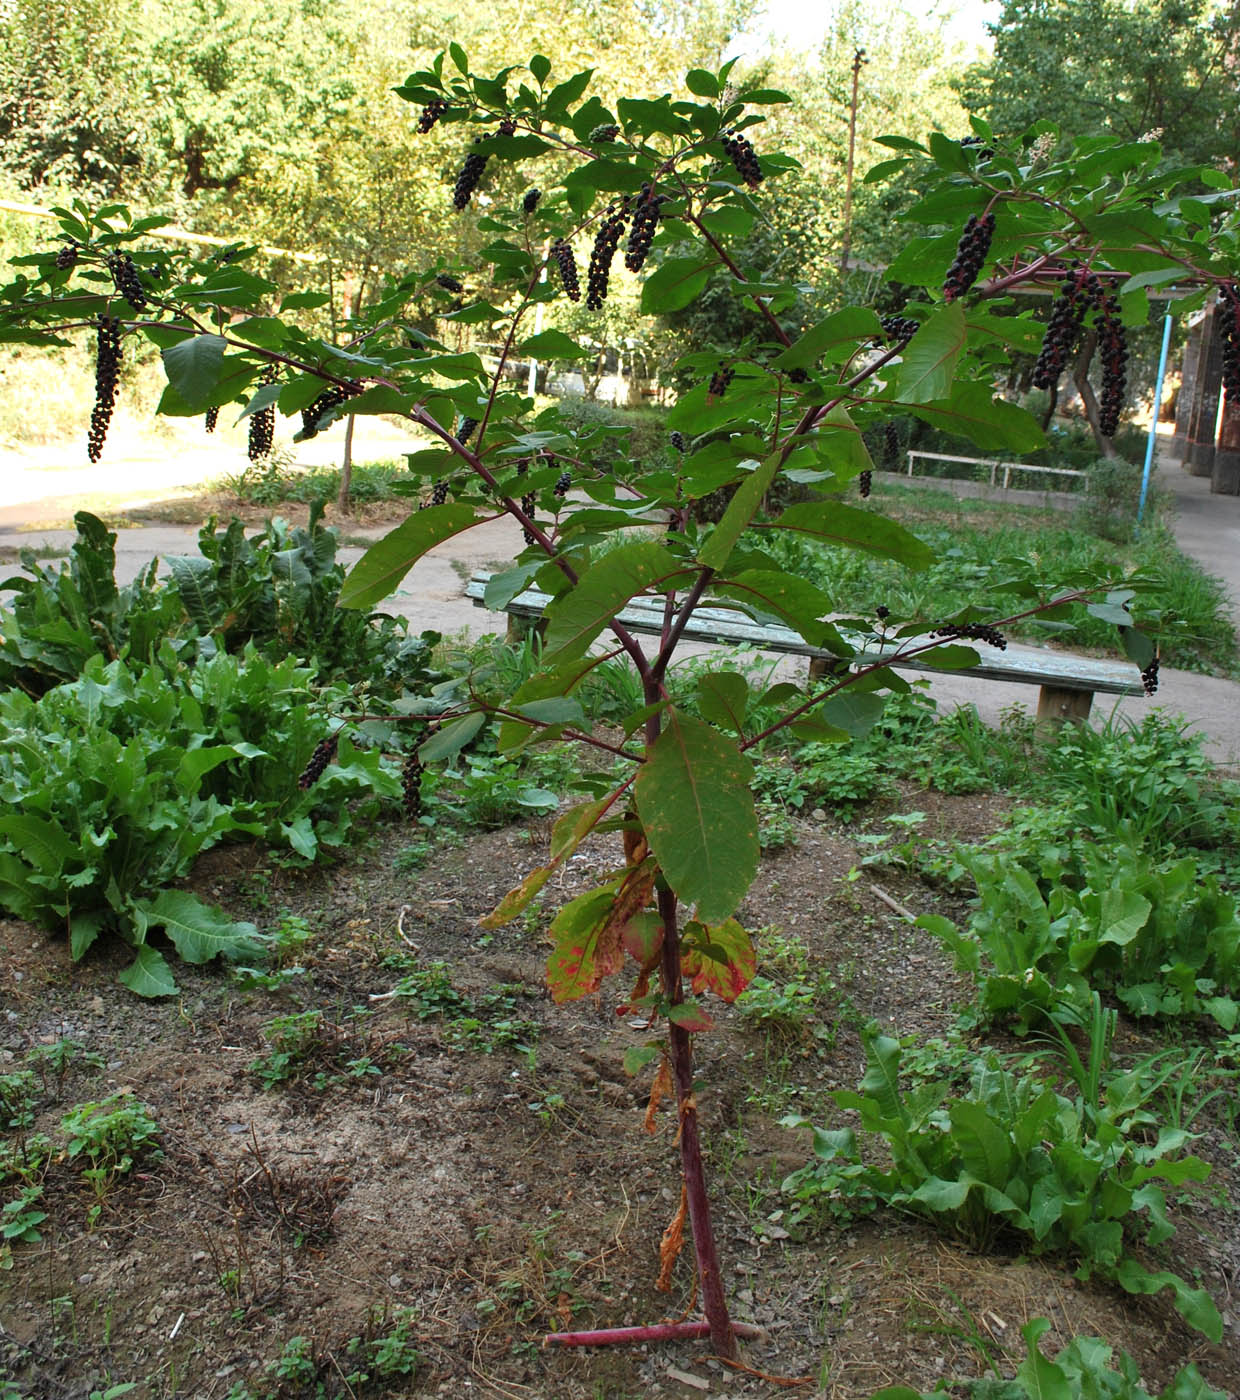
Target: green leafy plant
point(110, 1136)
point(1082, 1368)
point(1067, 1175)
point(770, 425)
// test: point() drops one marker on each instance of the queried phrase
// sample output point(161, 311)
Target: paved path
point(1207, 527)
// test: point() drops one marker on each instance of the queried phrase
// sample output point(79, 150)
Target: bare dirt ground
point(473, 1160)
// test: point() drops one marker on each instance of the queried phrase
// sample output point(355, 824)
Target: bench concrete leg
point(1056, 706)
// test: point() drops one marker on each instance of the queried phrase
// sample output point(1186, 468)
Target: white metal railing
point(995, 466)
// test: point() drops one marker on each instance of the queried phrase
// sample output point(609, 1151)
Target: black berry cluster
point(471, 173)
point(1064, 329)
point(986, 153)
point(530, 202)
point(601, 135)
point(465, 429)
point(528, 502)
point(324, 752)
point(1149, 677)
point(263, 423)
point(329, 399)
point(567, 264)
point(606, 240)
point(1228, 319)
point(562, 483)
point(971, 254)
point(896, 328)
point(744, 157)
point(973, 632)
point(645, 222)
point(125, 275)
point(678, 442)
point(1113, 351)
point(411, 785)
point(865, 483)
point(439, 493)
point(107, 373)
point(449, 283)
point(213, 417)
point(798, 376)
point(431, 114)
point(68, 255)
point(719, 381)
point(882, 612)
point(891, 446)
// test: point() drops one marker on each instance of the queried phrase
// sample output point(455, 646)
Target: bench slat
point(1029, 665)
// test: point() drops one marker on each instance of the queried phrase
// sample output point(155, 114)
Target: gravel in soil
point(464, 1154)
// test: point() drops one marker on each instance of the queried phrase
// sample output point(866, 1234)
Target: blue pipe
point(1149, 446)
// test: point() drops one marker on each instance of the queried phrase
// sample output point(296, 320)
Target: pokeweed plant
point(677, 182)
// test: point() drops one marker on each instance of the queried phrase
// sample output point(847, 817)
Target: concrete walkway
point(432, 597)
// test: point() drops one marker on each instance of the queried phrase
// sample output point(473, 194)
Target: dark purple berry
point(465, 429)
point(719, 382)
point(891, 446)
point(971, 254)
point(471, 173)
point(1064, 328)
point(864, 484)
point(605, 243)
point(528, 502)
point(324, 752)
point(411, 785)
point(645, 222)
point(431, 114)
point(743, 157)
point(986, 152)
point(972, 632)
point(107, 373)
point(678, 441)
point(530, 202)
point(213, 417)
point(1113, 352)
point(882, 612)
point(1227, 315)
point(312, 418)
point(1149, 677)
point(439, 493)
point(897, 328)
point(602, 135)
point(263, 423)
point(125, 275)
point(562, 255)
point(562, 483)
point(449, 283)
point(68, 255)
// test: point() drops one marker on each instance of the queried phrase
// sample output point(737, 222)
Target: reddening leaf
point(719, 958)
point(516, 900)
point(696, 806)
point(689, 1016)
point(589, 931)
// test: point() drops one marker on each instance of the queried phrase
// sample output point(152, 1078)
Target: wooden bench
point(1068, 683)
point(1007, 468)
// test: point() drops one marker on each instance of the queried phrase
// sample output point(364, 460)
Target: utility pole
point(846, 248)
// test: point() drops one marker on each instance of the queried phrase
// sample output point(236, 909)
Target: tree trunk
point(343, 502)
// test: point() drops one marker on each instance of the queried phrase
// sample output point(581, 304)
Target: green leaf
point(927, 366)
point(723, 697)
point(1194, 1305)
point(856, 712)
point(1042, 1379)
point(696, 807)
point(452, 738)
point(149, 975)
point(540, 66)
point(385, 563)
point(637, 1057)
point(579, 614)
point(553, 345)
point(985, 1149)
point(194, 368)
point(834, 338)
point(765, 97)
point(741, 509)
point(974, 411)
point(701, 83)
point(837, 523)
point(674, 284)
point(199, 931)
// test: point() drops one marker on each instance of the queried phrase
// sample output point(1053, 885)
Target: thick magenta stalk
point(710, 1278)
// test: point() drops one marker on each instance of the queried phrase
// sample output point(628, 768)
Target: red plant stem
point(635, 1336)
point(710, 1279)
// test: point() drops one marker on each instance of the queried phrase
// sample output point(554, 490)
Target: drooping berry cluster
point(986, 153)
point(865, 483)
point(882, 612)
point(1064, 329)
point(107, 372)
point(411, 785)
point(431, 114)
point(213, 417)
point(439, 493)
point(125, 275)
point(562, 483)
point(331, 398)
point(263, 423)
point(896, 328)
point(1228, 318)
point(449, 283)
point(678, 441)
point(719, 381)
point(528, 502)
point(1113, 351)
point(562, 255)
point(465, 429)
point(324, 752)
point(973, 632)
point(645, 222)
point(471, 173)
point(601, 135)
point(68, 255)
point(530, 202)
point(744, 157)
point(798, 376)
point(891, 446)
point(606, 240)
point(1149, 677)
point(970, 257)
